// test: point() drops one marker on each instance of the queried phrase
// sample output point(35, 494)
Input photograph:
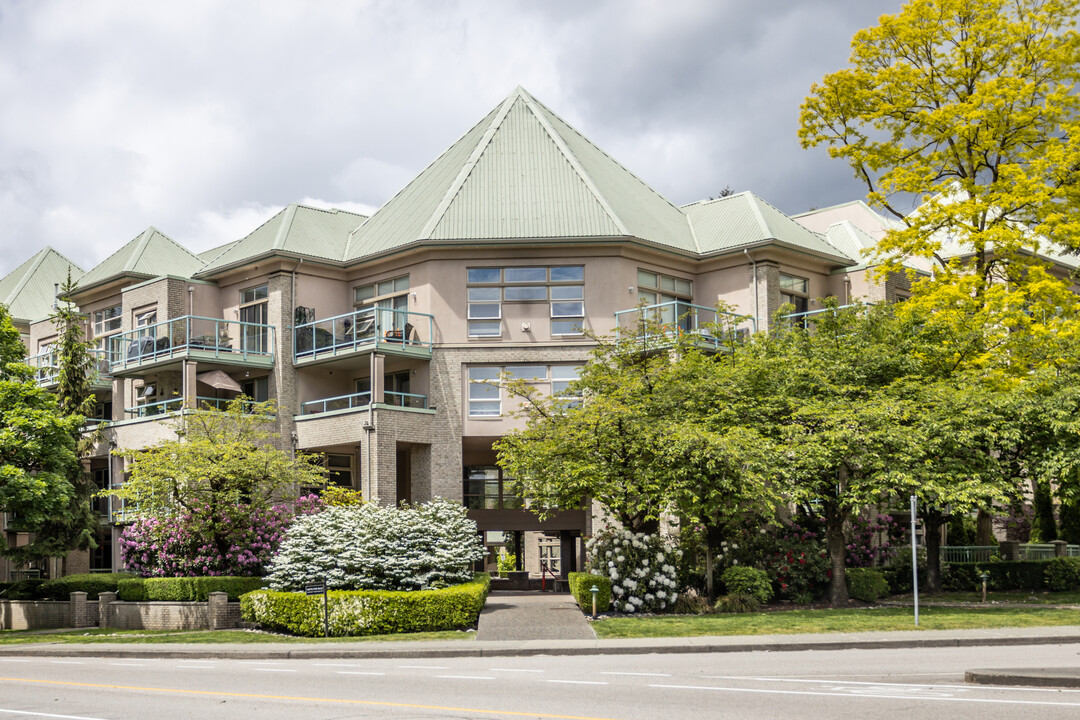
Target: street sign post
point(320, 589)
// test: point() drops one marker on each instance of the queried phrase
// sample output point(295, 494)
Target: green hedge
point(744, 580)
point(1062, 574)
point(92, 584)
point(1004, 575)
point(23, 590)
point(866, 584)
point(368, 612)
point(186, 589)
point(580, 587)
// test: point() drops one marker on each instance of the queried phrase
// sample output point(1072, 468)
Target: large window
point(107, 320)
point(485, 387)
point(390, 298)
point(670, 295)
point(794, 291)
point(485, 489)
point(561, 286)
point(253, 309)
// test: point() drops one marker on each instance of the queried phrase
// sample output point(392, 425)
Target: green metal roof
point(297, 230)
point(29, 290)
point(744, 220)
point(150, 254)
point(521, 173)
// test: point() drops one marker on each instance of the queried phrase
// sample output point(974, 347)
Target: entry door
point(404, 475)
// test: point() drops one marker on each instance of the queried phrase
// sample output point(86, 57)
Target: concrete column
point(105, 610)
point(187, 383)
point(118, 399)
point(1009, 549)
point(79, 613)
point(378, 364)
point(1061, 548)
point(217, 608)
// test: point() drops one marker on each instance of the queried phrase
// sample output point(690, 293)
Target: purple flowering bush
point(870, 544)
point(182, 547)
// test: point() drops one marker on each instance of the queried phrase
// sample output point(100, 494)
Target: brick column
point(105, 601)
point(1061, 548)
point(217, 608)
point(1009, 549)
point(79, 613)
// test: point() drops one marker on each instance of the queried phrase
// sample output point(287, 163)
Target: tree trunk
point(933, 519)
point(835, 541)
point(710, 589)
point(984, 528)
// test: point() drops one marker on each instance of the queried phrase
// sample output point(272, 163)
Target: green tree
point(222, 467)
point(38, 456)
point(970, 107)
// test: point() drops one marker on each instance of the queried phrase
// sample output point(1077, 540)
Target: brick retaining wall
point(78, 612)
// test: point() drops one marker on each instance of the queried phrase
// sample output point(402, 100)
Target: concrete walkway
point(520, 615)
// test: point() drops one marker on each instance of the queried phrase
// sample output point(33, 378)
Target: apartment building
point(376, 335)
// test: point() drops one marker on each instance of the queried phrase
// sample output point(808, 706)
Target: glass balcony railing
point(340, 402)
point(161, 407)
point(223, 340)
point(803, 319)
point(405, 400)
point(363, 329)
point(46, 366)
point(659, 324)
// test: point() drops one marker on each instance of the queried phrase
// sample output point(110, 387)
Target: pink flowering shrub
point(180, 547)
point(870, 544)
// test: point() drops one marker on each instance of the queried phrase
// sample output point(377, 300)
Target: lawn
point(870, 619)
point(217, 637)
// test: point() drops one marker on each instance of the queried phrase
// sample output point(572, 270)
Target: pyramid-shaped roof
point(745, 220)
point(29, 290)
point(297, 230)
point(150, 254)
point(521, 173)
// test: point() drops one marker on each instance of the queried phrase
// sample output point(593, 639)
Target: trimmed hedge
point(186, 589)
point(92, 584)
point(866, 584)
point(23, 590)
point(744, 580)
point(368, 612)
point(580, 587)
point(1062, 574)
point(1004, 575)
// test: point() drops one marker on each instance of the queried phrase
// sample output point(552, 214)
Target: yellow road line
point(213, 693)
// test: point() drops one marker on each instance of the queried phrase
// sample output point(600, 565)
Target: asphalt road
point(884, 684)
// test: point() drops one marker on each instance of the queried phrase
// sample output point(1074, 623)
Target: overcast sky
point(205, 118)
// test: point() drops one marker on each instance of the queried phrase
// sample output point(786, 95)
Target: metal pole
point(914, 563)
point(326, 609)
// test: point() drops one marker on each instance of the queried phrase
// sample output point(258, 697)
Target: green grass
point(217, 637)
point(1039, 597)
point(871, 619)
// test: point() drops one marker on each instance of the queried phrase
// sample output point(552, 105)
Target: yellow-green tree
point(967, 107)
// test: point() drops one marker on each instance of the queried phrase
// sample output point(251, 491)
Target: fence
point(1008, 550)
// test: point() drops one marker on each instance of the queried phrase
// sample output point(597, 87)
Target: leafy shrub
point(798, 564)
point(869, 544)
point(640, 567)
point(960, 577)
point(23, 590)
point(90, 583)
point(742, 580)
point(1004, 575)
point(1062, 573)
point(581, 588)
point(371, 547)
point(691, 602)
point(192, 589)
point(738, 603)
point(898, 572)
point(866, 584)
point(368, 612)
point(176, 547)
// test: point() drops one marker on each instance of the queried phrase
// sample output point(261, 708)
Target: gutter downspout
point(753, 264)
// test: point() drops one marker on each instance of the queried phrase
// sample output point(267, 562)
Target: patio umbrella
point(218, 379)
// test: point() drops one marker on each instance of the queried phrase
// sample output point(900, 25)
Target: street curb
point(1028, 677)
point(482, 649)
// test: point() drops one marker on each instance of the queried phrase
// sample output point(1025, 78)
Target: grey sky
point(205, 118)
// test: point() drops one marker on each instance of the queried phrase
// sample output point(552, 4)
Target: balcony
point(362, 400)
point(161, 407)
point(46, 366)
point(395, 332)
point(207, 340)
point(658, 326)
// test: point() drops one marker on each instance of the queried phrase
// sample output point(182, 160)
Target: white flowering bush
point(641, 569)
point(370, 547)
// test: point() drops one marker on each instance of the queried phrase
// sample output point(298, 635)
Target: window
point(107, 320)
point(562, 286)
point(670, 296)
point(794, 291)
point(258, 389)
point(391, 298)
point(339, 470)
point(485, 489)
point(485, 391)
point(144, 320)
point(253, 311)
point(550, 554)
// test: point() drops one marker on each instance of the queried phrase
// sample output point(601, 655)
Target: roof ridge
point(36, 262)
point(766, 230)
point(468, 166)
point(285, 227)
point(143, 240)
point(575, 163)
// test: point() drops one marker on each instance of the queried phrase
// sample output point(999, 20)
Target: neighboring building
point(375, 334)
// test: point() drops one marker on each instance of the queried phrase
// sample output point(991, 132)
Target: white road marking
point(466, 677)
point(128, 664)
point(830, 681)
point(761, 691)
point(577, 682)
point(274, 670)
point(66, 662)
point(357, 672)
point(513, 670)
point(635, 674)
point(422, 667)
point(47, 715)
